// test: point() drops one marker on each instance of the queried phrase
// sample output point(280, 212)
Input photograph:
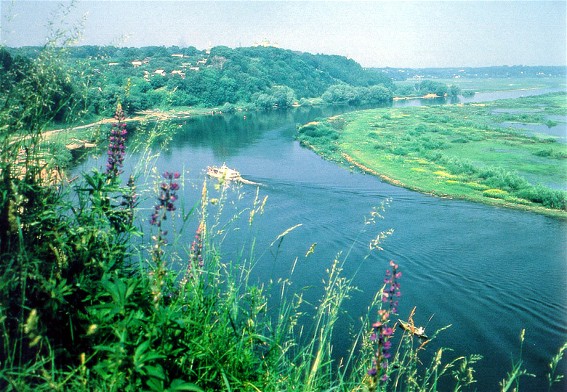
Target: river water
point(489, 272)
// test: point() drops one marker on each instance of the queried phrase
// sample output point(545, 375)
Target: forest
point(251, 77)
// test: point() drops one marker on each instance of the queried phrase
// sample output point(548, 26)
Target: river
point(487, 271)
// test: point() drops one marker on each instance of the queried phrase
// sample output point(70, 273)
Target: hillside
point(150, 77)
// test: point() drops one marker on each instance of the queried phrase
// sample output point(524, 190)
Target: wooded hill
point(265, 77)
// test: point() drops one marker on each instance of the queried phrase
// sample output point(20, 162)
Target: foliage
point(157, 76)
point(453, 150)
point(87, 304)
point(427, 87)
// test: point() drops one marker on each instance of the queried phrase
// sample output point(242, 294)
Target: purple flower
point(381, 331)
point(165, 203)
point(196, 253)
point(116, 149)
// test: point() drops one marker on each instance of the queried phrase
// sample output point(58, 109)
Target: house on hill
point(179, 73)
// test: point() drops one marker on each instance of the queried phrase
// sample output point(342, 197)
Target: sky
point(411, 34)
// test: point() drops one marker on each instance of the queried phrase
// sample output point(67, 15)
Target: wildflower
point(372, 371)
point(381, 331)
point(166, 198)
point(166, 203)
point(116, 149)
point(196, 252)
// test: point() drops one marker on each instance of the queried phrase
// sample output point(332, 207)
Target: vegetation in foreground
point(86, 303)
point(460, 151)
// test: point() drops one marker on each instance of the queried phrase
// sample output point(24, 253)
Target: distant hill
point(153, 76)
point(256, 77)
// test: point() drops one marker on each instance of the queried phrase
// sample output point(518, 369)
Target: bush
point(549, 198)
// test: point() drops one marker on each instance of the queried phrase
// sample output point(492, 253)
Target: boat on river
point(417, 331)
point(223, 173)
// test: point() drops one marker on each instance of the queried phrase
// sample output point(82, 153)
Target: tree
point(377, 94)
point(341, 93)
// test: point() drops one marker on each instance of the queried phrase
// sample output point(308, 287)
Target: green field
point(457, 151)
point(487, 84)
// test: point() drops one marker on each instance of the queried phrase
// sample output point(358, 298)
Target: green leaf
point(142, 355)
point(180, 385)
point(156, 372)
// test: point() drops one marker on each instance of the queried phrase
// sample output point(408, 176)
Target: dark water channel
point(489, 272)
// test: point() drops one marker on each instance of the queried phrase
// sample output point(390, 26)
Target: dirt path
point(140, 116)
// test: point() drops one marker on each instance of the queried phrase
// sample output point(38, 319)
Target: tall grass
point(87, 304)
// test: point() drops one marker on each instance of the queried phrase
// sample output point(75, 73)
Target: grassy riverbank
point(109, 283)
point(488, 84)
point(458, 151)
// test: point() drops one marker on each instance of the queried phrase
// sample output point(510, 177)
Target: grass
point(496, 84)
point(454, 151)
point(87, 304)
point(97, 293)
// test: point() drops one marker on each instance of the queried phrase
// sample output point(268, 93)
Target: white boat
point(223, 172)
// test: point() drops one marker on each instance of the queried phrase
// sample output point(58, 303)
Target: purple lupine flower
point(196, 253)
point(116, 140)
point(166, 199)
point(381, 331)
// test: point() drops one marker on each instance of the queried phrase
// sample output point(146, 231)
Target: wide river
point(489, 272)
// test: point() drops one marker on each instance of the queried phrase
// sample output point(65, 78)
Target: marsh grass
point(453, 151)
point(496, 84)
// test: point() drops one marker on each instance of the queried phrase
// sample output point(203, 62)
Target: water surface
point(487, 271)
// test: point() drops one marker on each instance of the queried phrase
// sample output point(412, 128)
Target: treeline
point(261, 77)
point(426, 87)
point(155, 77)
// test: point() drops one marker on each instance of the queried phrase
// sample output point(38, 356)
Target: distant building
point(266, 44)
point(177, 55)
point(113, 64)
point(137, 63)
point(160, 72)
point(178, 72)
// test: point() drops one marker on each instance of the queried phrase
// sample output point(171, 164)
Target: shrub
point(549, 198)
point(495, 193)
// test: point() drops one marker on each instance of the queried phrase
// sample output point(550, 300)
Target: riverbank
point(466, 152)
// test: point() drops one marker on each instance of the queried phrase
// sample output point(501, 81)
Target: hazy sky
point(374, 33)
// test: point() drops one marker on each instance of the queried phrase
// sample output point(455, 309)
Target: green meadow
point(470, 151)
point(489, 84)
